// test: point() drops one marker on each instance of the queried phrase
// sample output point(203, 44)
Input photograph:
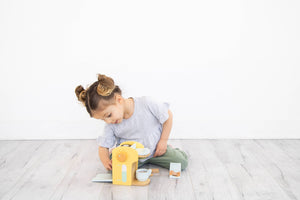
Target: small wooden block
point(155, 170)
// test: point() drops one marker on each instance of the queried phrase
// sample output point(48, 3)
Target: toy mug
point(143, 174)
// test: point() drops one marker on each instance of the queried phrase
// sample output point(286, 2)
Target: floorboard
point(217, 170)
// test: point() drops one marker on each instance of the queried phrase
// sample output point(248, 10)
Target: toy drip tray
point(103, 178)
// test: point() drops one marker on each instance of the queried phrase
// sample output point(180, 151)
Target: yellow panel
point(124, 165)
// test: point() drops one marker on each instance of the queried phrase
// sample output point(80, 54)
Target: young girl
point(134, 119)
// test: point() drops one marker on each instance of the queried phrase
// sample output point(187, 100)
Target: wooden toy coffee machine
point(125, 163)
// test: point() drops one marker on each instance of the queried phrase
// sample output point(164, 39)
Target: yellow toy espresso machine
point(125, 163)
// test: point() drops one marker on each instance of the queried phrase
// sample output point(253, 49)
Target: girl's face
point(112, 114)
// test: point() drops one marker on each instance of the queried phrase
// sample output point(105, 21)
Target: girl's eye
point(109, 115)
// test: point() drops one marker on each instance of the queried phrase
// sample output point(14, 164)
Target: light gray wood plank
point(249, 176)
point(8, 146)
point(218, 169)
point(209, 176)
point(16, 159)
point(120, 192)
point(84, 165)
point(7, 149)
point(280, 166)
point(197, 170)
point(163, 187)
point(290, 147)
point(45, 171)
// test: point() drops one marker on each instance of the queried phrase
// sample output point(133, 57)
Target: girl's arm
point(104, 157)
point(161, 146)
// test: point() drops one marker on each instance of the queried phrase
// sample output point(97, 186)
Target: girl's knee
point(184, 164)
point(181, 157)
point(183, 161)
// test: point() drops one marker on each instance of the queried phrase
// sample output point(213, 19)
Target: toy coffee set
point(125, 166)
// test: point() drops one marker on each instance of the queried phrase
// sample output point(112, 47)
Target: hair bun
point(81, 94)
point(105, 85)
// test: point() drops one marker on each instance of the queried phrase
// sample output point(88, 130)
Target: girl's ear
point(119, 98)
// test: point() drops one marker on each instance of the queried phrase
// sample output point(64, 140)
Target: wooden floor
point(218, 170)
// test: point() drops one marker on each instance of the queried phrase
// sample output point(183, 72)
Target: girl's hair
point(103, 91)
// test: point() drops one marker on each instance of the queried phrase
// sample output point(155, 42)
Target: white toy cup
point(143, 174)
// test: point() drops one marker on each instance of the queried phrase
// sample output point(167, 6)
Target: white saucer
point(143, 151)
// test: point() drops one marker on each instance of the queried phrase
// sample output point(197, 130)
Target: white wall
point(230, 69)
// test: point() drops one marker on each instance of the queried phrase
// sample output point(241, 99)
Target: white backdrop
point(229, 69)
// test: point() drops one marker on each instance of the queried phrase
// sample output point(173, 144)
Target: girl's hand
point(104, 157)
point(107, 164)
point(161, 148)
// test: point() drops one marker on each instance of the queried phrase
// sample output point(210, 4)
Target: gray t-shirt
point(144, 125)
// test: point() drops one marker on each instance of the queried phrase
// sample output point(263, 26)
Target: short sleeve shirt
point(144, 125)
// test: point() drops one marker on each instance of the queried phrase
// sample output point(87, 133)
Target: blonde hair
point(103, 91)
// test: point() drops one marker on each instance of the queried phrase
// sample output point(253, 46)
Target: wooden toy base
point(140, 183)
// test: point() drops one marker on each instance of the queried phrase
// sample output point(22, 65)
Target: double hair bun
point(105, 86)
